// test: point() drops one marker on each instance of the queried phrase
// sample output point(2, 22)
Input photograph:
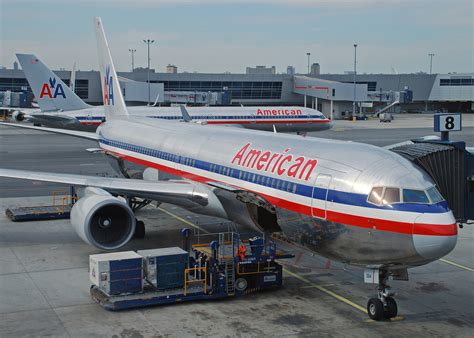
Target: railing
point(61, 199)
point(202, 280)
point(265, 269)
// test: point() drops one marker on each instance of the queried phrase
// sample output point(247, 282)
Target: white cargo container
point(117, 273)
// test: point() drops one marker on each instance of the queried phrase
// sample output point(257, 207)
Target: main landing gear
point(139, 229)
point(384, 306)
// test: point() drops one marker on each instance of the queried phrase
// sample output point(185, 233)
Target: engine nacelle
point(103, 220)
point(18, 116)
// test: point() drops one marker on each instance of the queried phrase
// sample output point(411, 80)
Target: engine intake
point(18, 116)
point(103, 221)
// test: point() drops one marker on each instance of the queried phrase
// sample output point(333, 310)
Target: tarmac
point(44, 284)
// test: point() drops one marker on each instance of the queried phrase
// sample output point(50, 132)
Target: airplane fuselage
point(320, 188)
point(285, 119)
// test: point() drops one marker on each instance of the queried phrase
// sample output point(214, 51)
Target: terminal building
point(333, 94)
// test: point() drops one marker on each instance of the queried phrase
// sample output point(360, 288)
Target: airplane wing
point(56, 121)
point(44, 116)
point(176, 192)
point(75, 133)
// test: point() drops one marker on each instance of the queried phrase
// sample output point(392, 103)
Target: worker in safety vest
point(241, 251)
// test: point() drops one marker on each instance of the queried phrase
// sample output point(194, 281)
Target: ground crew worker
point(241, 251)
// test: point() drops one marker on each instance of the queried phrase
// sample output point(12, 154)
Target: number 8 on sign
point(447, 122)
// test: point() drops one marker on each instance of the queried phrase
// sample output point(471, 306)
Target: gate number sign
point(447, 122)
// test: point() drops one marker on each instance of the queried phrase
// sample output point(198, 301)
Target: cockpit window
point(376, 195)
point(391, 195)
point(415, 196)
point(434, 195)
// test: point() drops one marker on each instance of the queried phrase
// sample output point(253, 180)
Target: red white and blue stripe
point(343, 207)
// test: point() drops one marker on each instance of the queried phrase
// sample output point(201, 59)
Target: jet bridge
point(452, 168)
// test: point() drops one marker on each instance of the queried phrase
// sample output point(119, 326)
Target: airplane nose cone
point(433, 241)
point(434, 247)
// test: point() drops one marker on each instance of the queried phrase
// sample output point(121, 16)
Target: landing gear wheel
point(391, 308)
point(241, 284)
point(139, 230)
point(375, 309)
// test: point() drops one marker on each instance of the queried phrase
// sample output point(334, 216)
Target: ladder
point(230, 268)
point(230, 276)
point(229, 263)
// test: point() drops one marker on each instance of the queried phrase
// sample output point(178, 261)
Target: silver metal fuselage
point(285, 119)
point(322, 207)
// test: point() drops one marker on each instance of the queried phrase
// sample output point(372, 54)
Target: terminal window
point(14, 85)
point(81, 87)
point(457, 82)
point(237, 89)
point(371, 85)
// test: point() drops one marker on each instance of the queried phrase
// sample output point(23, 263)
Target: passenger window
point(391, 195)
point(434, 195)
point(376, 195)
point(414, 196)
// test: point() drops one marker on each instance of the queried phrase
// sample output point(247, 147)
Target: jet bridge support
point(452, 168)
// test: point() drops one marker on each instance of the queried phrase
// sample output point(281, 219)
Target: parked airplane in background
point(351, 202)
point(62, 108)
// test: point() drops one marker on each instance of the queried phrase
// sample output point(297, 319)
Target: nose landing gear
point(384, 306)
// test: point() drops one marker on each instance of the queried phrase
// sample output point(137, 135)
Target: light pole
point(133, 52)
point(355, 70)
point(148, 42)
point(431, 61)
point(308, 54)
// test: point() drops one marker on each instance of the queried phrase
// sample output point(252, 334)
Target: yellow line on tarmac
point(457, 265)
point(183, 220)
point(326, 291)
point(313, 286)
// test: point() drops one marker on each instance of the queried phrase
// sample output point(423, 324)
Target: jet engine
point(103, 220)
point(18, 116)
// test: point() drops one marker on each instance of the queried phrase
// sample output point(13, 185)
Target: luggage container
point(164, 268)
point(117, 273)
point(212, 269)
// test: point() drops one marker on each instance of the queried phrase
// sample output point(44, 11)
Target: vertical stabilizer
point(112, 95)
point(50, 91)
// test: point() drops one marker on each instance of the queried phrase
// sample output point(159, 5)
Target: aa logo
point(52, 89)
point(108, 88)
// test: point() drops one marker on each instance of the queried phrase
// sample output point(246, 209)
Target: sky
point(216, 36)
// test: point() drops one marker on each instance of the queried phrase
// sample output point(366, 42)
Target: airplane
point(62, 108)
point(351, 202)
